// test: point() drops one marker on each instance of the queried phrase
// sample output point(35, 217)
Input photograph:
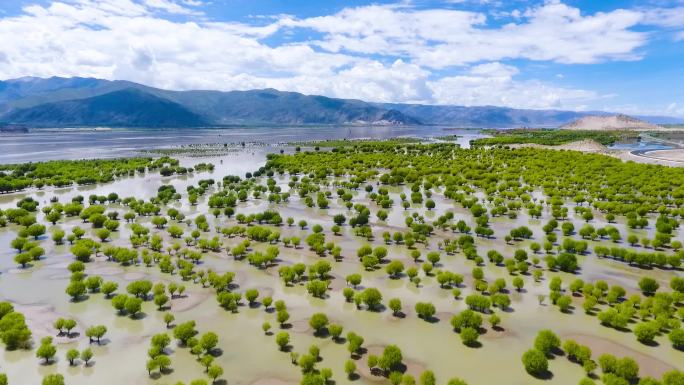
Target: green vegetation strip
point(551, 137)
point(62, 173)
point(356, 142)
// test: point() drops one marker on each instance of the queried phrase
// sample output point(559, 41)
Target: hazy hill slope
point(486, 116)
point(609, 123)
point(272, 106)
point(124, 108)
point(11, 90)
point(214, 107)
point(29, 92)
point(41, 102)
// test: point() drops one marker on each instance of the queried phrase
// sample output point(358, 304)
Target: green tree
point(72, 355)
point(53, 379)
point(108, 287)
point(535, 362)
point(371, 297)
point(494, 320)
point(161, 341)
point(86, 356)
point(133, 305)
point(282, 340)
point(546, 341)
point(427, 378)
point(676, 337)
point(58, 236)
point(14, 332)
point(282, 316)
point(646, 332)
point(349, 368)
point(425, 310)
point(184, 331)
point(318, 322)
point(76, 289)
point(168, 319)
point(518, 283)
point(96, 332)
point(395, 305)
point(390, 359)
point(23, 259)
point(208, 341)
point(469, 336)
point(648, 285)
point(214, 372)
point(35, 230)
point(46, 350)
point(456, 381)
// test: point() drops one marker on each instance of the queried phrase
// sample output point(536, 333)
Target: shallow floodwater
point(249, 357)
point(640, 146)
point(46, 144)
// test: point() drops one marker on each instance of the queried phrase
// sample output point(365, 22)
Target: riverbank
point(669, 157)
point(674, 157)
point(587, 145)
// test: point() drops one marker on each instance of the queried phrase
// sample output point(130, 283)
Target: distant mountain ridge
point(23, 100)
point(486, 116)
point(82, 102)
point(128, 107)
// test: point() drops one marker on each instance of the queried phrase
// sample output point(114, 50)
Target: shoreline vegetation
point(218, 149)
point(65, 173)
point(328, 143)
point(552, 137)
point(362, 141)
point(204, 150)
point(592, 141)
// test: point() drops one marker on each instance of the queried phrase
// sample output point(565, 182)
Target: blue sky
point(622, 56)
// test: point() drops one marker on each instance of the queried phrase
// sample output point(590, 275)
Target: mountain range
point(86, 102)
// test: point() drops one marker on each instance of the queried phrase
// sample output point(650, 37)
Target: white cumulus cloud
point(494, 84)
point(440, 38)
point(385, 53)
